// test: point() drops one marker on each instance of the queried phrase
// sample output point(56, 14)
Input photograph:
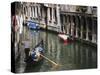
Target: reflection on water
point(75, 55)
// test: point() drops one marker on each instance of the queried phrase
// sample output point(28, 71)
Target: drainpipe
point(87, 30)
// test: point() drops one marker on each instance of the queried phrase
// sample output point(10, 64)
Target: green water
point(74, 55)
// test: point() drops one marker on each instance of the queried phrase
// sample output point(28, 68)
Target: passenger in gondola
point(35, 55)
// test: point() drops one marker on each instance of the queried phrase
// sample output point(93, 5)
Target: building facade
point(77, 21)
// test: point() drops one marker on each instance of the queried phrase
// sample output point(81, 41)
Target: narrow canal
point(74, 55)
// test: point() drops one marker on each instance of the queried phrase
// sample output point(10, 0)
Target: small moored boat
point(65, 37)
point(33, 25)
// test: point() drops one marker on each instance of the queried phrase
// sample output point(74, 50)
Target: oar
point(49, 60)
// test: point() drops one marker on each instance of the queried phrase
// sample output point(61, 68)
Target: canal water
point(68, 56)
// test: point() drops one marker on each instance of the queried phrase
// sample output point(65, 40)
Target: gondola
point(35, 53)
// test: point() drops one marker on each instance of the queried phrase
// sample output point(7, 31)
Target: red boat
point(66, 38)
